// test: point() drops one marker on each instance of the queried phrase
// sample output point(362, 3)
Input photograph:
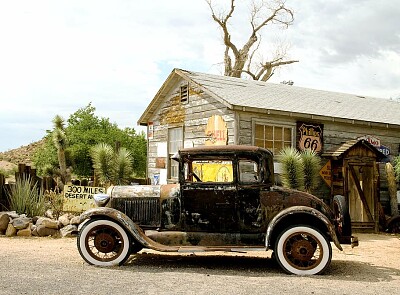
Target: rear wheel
point(104, 243)
point(342, 216)
point(303, 250)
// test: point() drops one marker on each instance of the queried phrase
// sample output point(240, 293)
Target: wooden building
point(193, 109)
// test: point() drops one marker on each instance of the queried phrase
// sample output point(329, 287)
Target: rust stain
point(174, 111)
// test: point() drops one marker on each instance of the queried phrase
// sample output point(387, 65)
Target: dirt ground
point(53, 266)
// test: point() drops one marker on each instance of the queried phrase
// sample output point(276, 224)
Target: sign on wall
point(216, 131)
point(326, 173)
point(80, 198)
point(310, 136)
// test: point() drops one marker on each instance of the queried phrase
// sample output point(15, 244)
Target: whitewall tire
point(103, 242)
point(303, 250)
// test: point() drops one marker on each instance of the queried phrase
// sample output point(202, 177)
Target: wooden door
point(361, 187)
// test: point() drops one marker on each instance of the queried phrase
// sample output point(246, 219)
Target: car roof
point(220, 149)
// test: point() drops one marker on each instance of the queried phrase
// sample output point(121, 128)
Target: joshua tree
point(60, 142)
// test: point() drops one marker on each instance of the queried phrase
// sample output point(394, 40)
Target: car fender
point(109, 213)
point(301, 210)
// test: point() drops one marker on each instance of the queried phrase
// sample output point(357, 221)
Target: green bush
point(26, 198)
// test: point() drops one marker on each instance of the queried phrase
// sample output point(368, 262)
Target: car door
point(249, 185)
point(209, 195)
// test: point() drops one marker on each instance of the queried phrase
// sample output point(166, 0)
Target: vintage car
point(225, 200)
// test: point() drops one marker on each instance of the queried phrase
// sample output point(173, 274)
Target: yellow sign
point(216, 131)
point(326, 173)
point(80, 198)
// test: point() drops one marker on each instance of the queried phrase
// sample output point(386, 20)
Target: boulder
point(49, 214)
point(26, 232)
point(11, 230)
point(75, 220)
point(4, 221)
point(64, 220)
point(21, 222)
point(47, 222)
point(44, 231)
point(69, 231)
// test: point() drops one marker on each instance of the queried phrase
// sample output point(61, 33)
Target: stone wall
point(13, 224)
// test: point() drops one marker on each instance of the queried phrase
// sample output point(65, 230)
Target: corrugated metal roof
point(281, 97)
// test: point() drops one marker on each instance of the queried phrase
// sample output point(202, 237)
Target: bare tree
point(240, 60)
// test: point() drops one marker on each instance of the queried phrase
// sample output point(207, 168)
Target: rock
point(47, 222)
point(49, 214)
point(21, 222)
point(25, 232)
point(34, 231)
point(12, 214)
point(44, 231)
point(75, 220)
point(4, 221)
point(69, 231)
point(64, 219)
point(53, 224)
point(11, 230)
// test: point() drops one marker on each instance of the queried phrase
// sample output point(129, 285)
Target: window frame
point(172, 152)
point(279, 124)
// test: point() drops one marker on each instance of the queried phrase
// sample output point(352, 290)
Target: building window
point(273, 137)
point(175, 142)
point(184, 93)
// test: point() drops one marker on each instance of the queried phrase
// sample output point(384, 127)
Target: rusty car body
point(225, 200)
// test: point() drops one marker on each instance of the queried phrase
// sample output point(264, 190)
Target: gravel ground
point(53, 266)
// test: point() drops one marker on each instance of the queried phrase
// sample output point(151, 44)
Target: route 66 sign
point(310, 136)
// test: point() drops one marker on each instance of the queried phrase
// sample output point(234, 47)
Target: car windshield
point(209, 171)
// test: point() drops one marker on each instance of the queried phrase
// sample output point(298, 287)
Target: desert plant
point(60, 142)
point(110, 166)
point(55, 202)
point(311, 167)
point(293, 175)
point(25, 197)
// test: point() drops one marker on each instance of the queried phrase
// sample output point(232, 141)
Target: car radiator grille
point(142, 211)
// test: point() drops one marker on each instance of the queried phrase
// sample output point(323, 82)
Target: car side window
point(249, 171)
point(209, 171)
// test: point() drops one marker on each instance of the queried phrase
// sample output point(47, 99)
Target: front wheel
point(303, 250)
point(104, 243)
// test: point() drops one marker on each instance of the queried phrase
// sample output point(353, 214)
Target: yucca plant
point(293, 175)
point(111, 167)
point(122, 166)
point(311, 167)
point(60, 142)
point(25, 198)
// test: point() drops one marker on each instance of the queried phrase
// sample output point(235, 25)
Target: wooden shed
point(355, 174)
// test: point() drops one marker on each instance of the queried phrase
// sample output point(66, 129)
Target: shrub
point(26, 198)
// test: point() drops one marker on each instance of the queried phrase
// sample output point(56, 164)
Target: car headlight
point(101, 199)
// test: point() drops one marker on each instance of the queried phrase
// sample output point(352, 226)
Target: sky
point(58, 56)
